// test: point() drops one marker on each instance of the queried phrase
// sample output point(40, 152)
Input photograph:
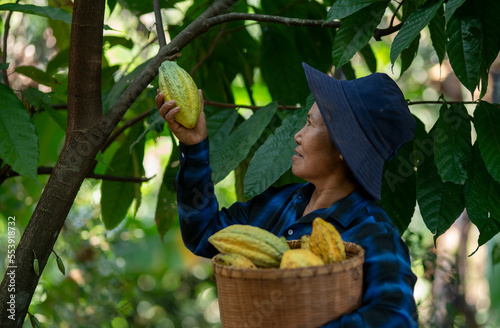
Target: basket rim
point(277, 274)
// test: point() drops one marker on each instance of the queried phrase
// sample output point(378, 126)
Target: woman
point(352, 128)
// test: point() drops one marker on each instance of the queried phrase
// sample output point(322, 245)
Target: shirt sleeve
point(388, 286)
point(198, 209)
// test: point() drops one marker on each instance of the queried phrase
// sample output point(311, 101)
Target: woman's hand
point(186, 136)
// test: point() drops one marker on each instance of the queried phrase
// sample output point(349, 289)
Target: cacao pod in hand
point(176, 84)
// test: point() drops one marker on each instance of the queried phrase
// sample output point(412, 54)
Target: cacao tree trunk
point(84, 110)
point(87, 132)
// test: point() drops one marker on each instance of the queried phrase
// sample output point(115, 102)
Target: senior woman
point(352, 128)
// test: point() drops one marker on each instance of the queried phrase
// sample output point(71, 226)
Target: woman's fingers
point(159, 99)
point(169, 115)
point(165, 107)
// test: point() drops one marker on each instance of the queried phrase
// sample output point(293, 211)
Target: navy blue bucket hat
point(368, 119)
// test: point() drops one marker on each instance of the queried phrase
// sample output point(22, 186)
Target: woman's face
point(316, 155)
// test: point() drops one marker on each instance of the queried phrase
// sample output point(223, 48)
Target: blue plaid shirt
point(388, 280)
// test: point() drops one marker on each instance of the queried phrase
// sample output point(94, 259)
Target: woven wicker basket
point(302, 297)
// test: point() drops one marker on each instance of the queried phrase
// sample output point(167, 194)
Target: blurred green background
point(129, 276)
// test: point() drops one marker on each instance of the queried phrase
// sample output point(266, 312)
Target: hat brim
point(365, 163)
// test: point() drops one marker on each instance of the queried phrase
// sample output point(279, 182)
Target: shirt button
point(290, 232)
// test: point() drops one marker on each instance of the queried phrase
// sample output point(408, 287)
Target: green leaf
point(465, 46)
point(60, 265)
point(451, 7)
point(284, 48)
point(4, 66)
point(282, 70)
point(117, 40)
point(495, 254)
point(369, 57)
point(412, 27)
point(482, 199)
point(348, 71)
point(438, 34)
point(36, 267)
point(274, 157)
point(225, 159)
point(18, 138)
point(44, 11)
point(117, 196)
point(355, 32)
point(489, 11)
point(41, 100)
point(408, 54)
point(34, 321)
point(440, 203)
point(220, 123)
point(399, 187)
point(166, 205)
point(120, 86)
point(486, 123)
point(155, 122)
point(452, 143)
point(37, 75)
point(60, 61)
point(344, 8)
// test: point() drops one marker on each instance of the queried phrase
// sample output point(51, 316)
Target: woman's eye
point(308, 122)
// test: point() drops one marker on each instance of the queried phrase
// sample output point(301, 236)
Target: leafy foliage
point(452, 149)
point(166, 209)
point(118, 196)
point(412, 27)
point(18, 138)
point(440, 202)
point(259, 64)
point(482, 199)
point(274, 157)
point(486, 118)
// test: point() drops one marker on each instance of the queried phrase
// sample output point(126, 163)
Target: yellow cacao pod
point(304, 241)
point(260, 246)
point(299, 258)
point(326, 242)
point(234, 260)
point(176, 84)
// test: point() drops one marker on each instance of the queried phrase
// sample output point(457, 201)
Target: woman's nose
point(298, 137)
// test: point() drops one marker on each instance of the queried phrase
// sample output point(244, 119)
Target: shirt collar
point(342, 211)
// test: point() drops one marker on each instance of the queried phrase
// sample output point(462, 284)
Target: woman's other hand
point(186, 136)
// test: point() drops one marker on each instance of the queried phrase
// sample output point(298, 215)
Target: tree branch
point(83, 140)
point(48, 170)
point(84, 69)
point(197, 27)
point(271, 19)
point(126, 125)
point(210, 51)
point(227, 105)
point(292, 21)
point(420, 102)
point(4, 53)
point(396, 12)
point(159, 23)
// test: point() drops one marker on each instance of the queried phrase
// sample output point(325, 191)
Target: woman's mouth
point(296, 155)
